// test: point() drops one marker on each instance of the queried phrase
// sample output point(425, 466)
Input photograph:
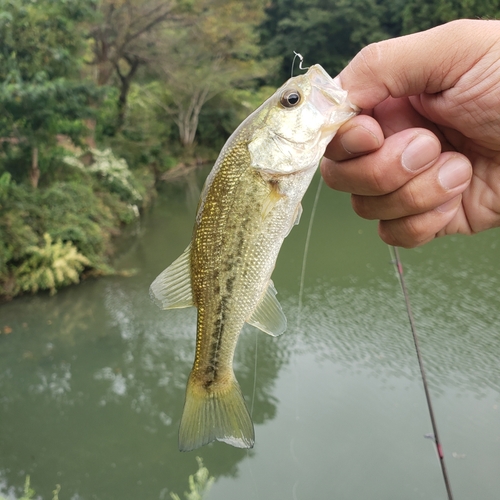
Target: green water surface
point(92, 379)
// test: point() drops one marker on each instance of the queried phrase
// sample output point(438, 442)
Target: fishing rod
point(399, 268)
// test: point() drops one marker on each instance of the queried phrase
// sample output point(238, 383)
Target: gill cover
point(298, 121)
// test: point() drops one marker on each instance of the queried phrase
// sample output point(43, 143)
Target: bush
point(80, 216)
point(113, 173)
point(50, 266)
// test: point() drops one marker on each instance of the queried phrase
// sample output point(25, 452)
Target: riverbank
point(65, 230)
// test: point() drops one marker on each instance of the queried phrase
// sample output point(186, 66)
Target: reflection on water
point(92, 380)
point(456, 327)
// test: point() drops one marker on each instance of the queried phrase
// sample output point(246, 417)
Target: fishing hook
point(300, 63)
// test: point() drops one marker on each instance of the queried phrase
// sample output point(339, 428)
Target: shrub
point(50, 266)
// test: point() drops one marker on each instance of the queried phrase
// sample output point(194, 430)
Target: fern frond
point(50, 266)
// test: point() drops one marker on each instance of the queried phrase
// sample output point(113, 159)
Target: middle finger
point(402, 156)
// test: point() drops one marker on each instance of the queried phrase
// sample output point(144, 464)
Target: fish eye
point(290, 98)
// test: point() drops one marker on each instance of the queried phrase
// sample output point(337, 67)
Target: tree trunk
point(89, 140)
point(35, 171)
point(125, 81)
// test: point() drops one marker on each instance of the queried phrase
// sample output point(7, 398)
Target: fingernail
point(354, 140)
point(420, 152)
point(454, 172)
point(450, 205)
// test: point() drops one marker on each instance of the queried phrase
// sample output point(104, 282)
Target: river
point(92, 379)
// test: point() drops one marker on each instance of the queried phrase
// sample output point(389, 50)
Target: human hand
point(424, 157)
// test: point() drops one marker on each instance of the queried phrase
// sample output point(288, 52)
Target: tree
point(328, 32)
point(124, 38)
point(216, 52)
point(39, 53)
point(418, 15)
point(33, 114)
point(331, 32)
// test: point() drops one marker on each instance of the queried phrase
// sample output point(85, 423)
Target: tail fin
point(216, 414)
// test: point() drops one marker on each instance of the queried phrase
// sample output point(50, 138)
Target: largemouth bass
point(250, 202)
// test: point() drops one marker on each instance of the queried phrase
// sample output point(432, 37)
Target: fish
point(249, 203)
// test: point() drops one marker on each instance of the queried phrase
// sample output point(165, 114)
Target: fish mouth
point(330, 99)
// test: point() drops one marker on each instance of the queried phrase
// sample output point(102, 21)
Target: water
point(92, 379)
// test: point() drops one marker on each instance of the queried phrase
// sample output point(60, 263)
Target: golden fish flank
point(250, 202)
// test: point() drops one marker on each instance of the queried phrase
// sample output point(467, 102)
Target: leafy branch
point(199, 483)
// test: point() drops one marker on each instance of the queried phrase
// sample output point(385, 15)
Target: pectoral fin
point(298, 214)
point(273, 197)
point(296, 218)
point(268, 316)
point(172, 288)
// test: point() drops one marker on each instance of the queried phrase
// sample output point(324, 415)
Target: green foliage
point(215, 53)
point(328, 32)
point(16, 233)
point(42, 93)
point(29, 492)
point(146, 137)
point(419, 15)
point(50, 266)
point(40, 110)
point(41, 38)
point(331, 32)
point(113, 172)
point(199, 483)
point(86, 214)
point(149, 136)
point(5, 179)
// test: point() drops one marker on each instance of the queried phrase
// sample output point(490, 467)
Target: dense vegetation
point(98, 100)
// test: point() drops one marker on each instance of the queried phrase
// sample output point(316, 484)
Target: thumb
point(427, 62)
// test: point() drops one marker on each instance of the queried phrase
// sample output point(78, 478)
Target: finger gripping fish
point(249, 204)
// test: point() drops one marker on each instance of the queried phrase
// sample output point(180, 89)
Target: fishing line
point(306, 251)
point(254, 482)
point(399, 269)
point(254, 373)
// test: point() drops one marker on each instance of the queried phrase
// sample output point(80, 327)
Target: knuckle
point(386, 234)
point(407, 232)
point(414, 231)
point(379, 180)
point(362, 206)
point(411, 199)
point(369, 58)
